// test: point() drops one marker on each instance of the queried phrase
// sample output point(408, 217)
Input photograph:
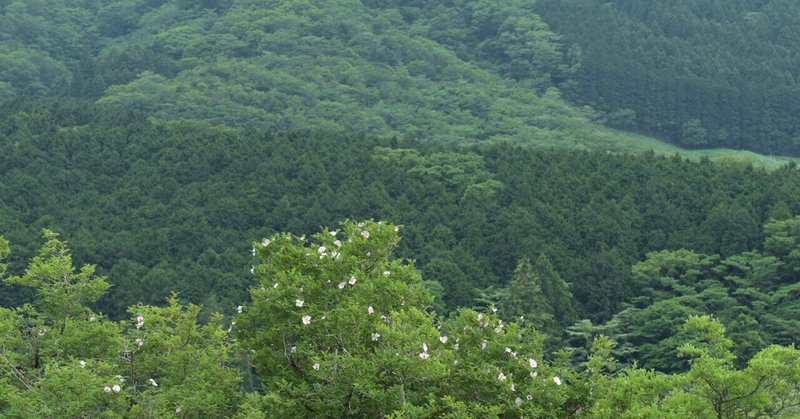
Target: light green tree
point(60, 359)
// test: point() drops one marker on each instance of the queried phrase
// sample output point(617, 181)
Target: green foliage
point(62, 360)
point(537, 294)
point(448, 73)
point(745, 291)
point(525, 299)
point(5, 250)
point(61, 293)
point(336, 327)
point(711, 387)
point(328, 315)
point(160, 136)
point(471, 213)
point(697, 73)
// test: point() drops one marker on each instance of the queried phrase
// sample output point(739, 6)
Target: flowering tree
point(336, 327)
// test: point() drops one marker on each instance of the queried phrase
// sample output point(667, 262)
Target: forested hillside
point(164, 207)
point(276, 65)
point(454, 72)
point(253, 208)
point(695, 72)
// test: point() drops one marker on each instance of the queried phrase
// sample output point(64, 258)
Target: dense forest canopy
point(275, 65)
point(172, 206)
point(698, 73)
point(243, 208)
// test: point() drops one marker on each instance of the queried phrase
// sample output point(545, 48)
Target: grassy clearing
point(621, 141)
point(593, 137)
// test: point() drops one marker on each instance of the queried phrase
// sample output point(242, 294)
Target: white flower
point(533, 363)
point(139, 321)
point(443, 339)
point(456, 346)
point(42, 331)
point(376, 336)
point(365, 234)
point(139, 342)
point(484, 324)
point(316, 366)
point(265, 242)
point(534, 374)
point(239, 309)
point(338, 243)
point(333, 233)
point(293, 349)
point(153, 383)
point(322, 250)
point(83, 364)
point(177, 410)
point(253, 252)
point(120, 378)
point(498, 329)
point(483, 344)
point(275, 286)
point(424, 354)
point(298, 302)
point(91, 318)
point(306, 320)
point(387, 273)
point(116, 388)
point(514, 354)
point(370, 310)
point(252, 269)
point(557, 380)
point(107, 389)
point(335, 254)
point(518, 401)
point(396, 229)
point(342, 285)
point(352, 280)
point(369, 254)
point(501, 377)
point(494, 309)
point(513, 387)
point(529, 397)
point(480, 316)
point(508, 350)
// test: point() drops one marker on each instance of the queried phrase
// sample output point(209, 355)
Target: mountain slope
point(472, 71)
point(697, 73)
